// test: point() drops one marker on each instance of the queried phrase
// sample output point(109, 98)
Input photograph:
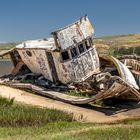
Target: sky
point(32, 19)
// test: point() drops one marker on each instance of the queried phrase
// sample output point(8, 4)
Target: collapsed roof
point(47, 44)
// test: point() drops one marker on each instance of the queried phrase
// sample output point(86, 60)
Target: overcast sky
point(32, 19)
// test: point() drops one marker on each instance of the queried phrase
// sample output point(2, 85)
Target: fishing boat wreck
point(68, 60)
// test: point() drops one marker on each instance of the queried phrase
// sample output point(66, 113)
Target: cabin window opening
point(81, 48)
point(29, 53)
point(91, 41)
point(73, 52)
point(65, 55)
point(87, 45)
point(16, 55)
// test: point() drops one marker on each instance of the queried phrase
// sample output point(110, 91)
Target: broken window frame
point(76, 50)
point(84, 49)
point(91, 41)
point(88, 43)
point(64, 60)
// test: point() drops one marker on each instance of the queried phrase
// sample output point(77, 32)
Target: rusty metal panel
point(36, 61)
point(74, 33)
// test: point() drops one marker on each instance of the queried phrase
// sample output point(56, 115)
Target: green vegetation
point(19, 116)
point(4, 102)
point(14, 115)
point(80, 93)
point(27, 81)
point(123, 51)
point(74, 131)
point(26, 122)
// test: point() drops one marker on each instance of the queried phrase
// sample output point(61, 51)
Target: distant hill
point(6, 46)
point(118, 45)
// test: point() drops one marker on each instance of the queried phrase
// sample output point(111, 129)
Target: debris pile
point(32, 78)
point(113, 81)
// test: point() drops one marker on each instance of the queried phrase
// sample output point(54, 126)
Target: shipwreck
point(68, 60)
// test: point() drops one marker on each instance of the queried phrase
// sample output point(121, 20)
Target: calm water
point(5, 67)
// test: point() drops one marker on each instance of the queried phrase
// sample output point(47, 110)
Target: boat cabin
point(68, 56)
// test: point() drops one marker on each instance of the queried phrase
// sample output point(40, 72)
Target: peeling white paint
point(78, 69)
point(37, 63)
point(125, 73)
point(47, 44)
point(75, 33)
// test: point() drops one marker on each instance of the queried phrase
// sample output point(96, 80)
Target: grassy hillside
point(118, 45)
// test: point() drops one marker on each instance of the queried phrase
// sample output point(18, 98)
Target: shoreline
point(8, 59)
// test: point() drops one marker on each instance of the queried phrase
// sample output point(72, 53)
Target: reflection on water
point(5, 67)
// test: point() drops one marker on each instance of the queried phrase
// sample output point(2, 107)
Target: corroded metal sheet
point(37, 62)
point(75, 33)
